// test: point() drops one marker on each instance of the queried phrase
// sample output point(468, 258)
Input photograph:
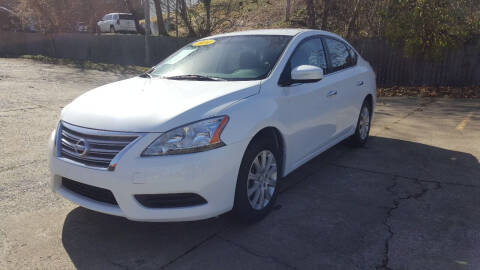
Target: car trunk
point(126, 22)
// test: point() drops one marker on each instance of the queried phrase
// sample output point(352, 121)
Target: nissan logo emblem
point(81, 147)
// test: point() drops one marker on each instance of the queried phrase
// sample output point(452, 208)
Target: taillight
point(118, 21)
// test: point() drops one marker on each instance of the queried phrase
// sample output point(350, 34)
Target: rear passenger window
point(353, 55)
point(339, 54)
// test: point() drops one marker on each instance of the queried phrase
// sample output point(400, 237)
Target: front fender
point(248, 117)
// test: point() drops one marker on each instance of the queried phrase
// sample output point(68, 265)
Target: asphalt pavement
point(409, 199)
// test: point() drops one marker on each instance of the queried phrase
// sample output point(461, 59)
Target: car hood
point(154, 105)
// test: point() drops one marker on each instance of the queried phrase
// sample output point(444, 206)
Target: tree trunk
point(162, 31)
point(130, 9)
point(176, 18)
point(326, 10)
point(208, 27)
point(186, 19)
point(146, 7)
point(168, 15)
point(352, 20)
point(287, 10)
point(310, 13)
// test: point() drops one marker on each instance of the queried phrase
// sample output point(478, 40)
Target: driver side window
point(311, 53)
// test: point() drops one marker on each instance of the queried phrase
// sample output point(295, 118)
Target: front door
point(306, 108)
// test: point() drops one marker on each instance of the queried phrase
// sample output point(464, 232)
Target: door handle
point(331, 93)
point(359, 83)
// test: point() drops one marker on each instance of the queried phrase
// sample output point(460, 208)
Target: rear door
point(342, 72)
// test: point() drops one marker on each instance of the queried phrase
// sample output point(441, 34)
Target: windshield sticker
point(203, 42)
point(179, 56)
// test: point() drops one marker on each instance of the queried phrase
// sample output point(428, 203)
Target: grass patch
point(121, 69)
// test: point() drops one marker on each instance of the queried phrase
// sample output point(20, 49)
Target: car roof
point(284, 32)
point(118, 13)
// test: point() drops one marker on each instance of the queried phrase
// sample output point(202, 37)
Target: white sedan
point(214, 127)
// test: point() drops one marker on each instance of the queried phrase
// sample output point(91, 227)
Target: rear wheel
point(363, 125)
point(257, 188)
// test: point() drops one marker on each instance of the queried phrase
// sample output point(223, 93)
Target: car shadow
point(98, 241)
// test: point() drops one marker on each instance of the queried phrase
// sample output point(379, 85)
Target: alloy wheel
point(262, 180)
point(364, 124)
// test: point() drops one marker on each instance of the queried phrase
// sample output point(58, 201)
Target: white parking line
point(464, 122)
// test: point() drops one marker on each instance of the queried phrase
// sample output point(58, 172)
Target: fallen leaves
point(430, 91)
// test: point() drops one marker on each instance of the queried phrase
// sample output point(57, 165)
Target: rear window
point(127, 17)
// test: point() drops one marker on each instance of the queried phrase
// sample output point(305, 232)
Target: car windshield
point(245, 57)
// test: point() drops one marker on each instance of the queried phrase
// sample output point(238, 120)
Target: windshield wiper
point(145, 75)
point(194, 77)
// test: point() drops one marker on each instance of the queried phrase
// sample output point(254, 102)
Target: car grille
point(95, 193)
point(92, 148)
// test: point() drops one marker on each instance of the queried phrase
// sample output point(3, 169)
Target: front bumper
point(210, 174)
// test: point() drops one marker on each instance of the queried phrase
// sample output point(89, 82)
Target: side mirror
point(307, 73)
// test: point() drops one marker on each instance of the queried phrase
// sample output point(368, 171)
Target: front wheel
point(360, 137)
point(257, 188)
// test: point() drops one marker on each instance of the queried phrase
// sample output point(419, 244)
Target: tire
point(250, 205)
point(362, 131)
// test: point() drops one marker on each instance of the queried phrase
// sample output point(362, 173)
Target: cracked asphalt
point(409, 199)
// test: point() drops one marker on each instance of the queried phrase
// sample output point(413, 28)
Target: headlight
point(195, 137)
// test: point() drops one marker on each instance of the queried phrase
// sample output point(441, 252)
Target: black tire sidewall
point(242, 208)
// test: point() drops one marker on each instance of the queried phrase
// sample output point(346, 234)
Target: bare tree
point(186, 18)
point(208, 16)
point(160, 23)
point(287, 10)
point(311, 14)
point(50, 16)
point(352, 20)
point(133, 11)
point(326, 10)
point(207, 5)
point(146, 6)
point(176, 18)
point(168, 13)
